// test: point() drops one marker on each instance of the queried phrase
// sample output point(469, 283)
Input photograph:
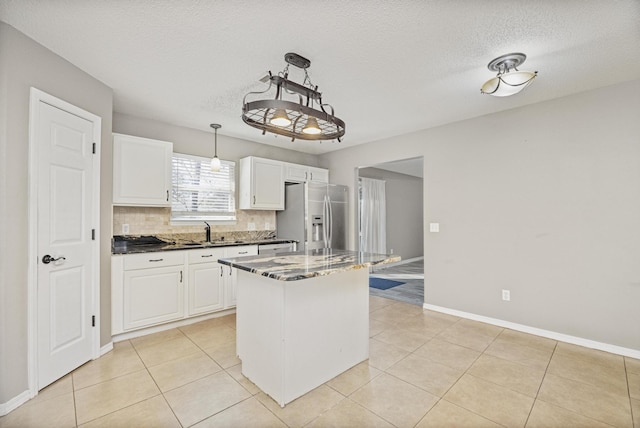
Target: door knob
point(48, 259)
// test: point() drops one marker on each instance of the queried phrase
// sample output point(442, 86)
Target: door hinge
point(93, 320)
point(93, 234)
point(94, 148)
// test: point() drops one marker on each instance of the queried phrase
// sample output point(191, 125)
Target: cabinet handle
point(243, 252)
point(155, 260)
point(305, 175)
point(254, 199)
point(311, 174)
point(207, 255)
point(230, 270)
point(180, 276)
point(221, 271)
point(167, 196)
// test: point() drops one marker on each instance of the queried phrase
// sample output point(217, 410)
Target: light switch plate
point(434, 227)
point(251, 226)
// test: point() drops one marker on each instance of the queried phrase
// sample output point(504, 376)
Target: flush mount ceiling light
point(508, 82)
point(296, 116)
point(215, 162)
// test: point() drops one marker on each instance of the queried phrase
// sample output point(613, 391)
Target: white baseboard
point(614, 349)
point(14, 403)
point(106, 348)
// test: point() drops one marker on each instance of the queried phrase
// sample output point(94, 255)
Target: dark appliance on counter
point(122, 243)
point(315, 215)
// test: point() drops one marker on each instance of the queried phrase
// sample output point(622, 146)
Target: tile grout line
point(626, 378)
point(75, 406)
point(546, 369)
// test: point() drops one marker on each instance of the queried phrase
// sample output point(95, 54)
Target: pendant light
point(508, 82)
point(215, 162)
point(302, 115)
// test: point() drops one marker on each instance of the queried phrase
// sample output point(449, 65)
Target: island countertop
point(308, 264)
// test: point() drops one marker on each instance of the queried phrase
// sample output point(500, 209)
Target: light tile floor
point(426, 369)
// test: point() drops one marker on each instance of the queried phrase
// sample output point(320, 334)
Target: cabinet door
point(141, 171)
point(231, 275)
point(206, 286)
point(296, 173)
point(318, 175)
point(261, 184)
point(152, 296)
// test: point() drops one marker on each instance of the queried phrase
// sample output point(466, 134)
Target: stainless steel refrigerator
point(315, 215)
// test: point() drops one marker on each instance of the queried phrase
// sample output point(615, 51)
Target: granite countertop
point(309, 264)
point(122, 247)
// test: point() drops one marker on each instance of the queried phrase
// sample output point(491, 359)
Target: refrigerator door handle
point(325, 226)
point(330, 221)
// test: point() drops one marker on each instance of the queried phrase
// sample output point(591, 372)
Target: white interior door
point(65, 273)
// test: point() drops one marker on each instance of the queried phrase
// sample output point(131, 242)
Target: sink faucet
point(207, 231)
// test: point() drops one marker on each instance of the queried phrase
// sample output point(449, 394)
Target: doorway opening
point(397, 228)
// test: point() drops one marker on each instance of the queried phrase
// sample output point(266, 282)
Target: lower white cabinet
point(206, 281)
point(232, 274)
point(154, 288)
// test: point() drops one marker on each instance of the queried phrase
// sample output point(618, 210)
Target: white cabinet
point(152, 289)
point(302, 173)
point(231, 275)
point(141, 171)
point(206, 281)
point(261, 184)
point(319, 175)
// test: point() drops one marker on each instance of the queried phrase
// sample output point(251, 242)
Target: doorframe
point(35, 97)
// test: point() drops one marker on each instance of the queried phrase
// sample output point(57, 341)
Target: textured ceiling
point(387, 67)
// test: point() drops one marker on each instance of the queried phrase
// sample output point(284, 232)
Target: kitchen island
point(302, 318)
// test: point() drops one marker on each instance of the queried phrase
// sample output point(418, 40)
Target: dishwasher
point(273, 249)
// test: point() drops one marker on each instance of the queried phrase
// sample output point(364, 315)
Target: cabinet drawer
point(152, 260)
point(208, 255)
point(244, 250)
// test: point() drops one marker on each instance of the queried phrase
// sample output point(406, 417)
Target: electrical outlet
point(506, 295)
point(251, 226)
point(267, 226)
point(391, 251)
point(125, 229)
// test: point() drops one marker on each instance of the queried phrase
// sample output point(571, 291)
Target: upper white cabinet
point(302, 173)
point(141, 171)
point(261, 184)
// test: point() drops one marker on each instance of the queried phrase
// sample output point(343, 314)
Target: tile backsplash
point(157, 221)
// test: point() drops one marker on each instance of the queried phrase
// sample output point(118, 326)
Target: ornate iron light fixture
point(297, 118)
point(508, 82)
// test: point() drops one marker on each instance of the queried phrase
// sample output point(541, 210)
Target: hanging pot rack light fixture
point(297, 118)
point(508, 82)
point(215, 162)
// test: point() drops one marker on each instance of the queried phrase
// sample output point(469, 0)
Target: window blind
point(200, 194)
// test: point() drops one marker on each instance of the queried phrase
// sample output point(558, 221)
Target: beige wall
point(542, 200)
point(23, 64)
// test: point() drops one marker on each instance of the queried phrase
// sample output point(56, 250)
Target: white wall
point(542, 200)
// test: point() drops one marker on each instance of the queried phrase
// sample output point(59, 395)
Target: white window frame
point(226, 174)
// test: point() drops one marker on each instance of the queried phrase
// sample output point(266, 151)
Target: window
point(200, 194)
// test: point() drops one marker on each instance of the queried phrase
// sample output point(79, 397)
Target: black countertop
point(150, 244)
